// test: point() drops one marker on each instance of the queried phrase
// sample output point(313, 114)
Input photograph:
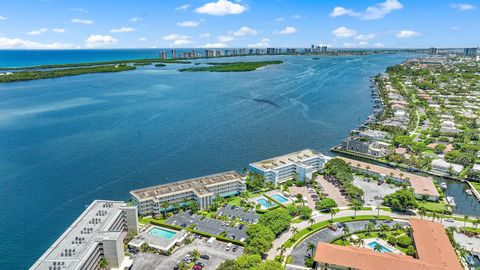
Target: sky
point(89, 24)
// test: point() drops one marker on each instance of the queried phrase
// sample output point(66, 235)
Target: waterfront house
point(441, 166)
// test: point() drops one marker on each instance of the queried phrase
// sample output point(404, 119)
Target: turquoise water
point(162, 233)
point(279, 198)
point(265, 203)
point(65, 142)
point(382, 249)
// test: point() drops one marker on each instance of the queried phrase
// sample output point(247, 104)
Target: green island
point(36, 75)
point(231, 67)
point(137, 62)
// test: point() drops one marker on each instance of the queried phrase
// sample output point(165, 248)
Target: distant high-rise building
point(174, 54)
point(163, 55)
point(291, 51)
point(242, 51)
point(324, 48)
point(433, 51)
point(470, 52)
point(251, 51)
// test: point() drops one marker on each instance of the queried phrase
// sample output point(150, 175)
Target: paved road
point(326, 236)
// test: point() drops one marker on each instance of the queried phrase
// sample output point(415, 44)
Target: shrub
point(404, 241)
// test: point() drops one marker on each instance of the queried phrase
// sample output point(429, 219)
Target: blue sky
point(56, 24)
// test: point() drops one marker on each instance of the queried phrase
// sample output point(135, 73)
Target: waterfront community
point(381, 203)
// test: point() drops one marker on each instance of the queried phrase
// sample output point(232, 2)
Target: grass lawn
point(433, 206)
point(235, 201)
point(476, 185)
point(147, 220)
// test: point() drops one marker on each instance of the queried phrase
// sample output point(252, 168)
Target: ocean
point(65, 142)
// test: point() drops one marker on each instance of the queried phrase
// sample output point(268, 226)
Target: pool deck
point(157, 242)
point(280, 193)
point(381, 242)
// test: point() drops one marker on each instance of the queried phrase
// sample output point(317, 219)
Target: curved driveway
point(326, 235)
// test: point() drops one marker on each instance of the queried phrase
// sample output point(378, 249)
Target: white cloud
point(188, 24)
point(123, 30)
point(455, 28)
point(224, 39)
point(296, 16)
point(59, 30)
point(244, 31)
point(215, 45)
point(95, 41)
point(377, 11)
point(364, 37)
point(136, 19)
point(288, 30)
point(355, 44)
point(37, 32)
point(17, 43)
point(407, 34)
point(462, 6)
point(177, 39)
point(344, 32)
point(204, 35)
point(2, 18)
point(77, 20)
point(379, 45)
point(183, 7)
point(280, 19)
point(340, 11)
point(78, 10)
point(142, 39)
point(221, 8)
point(264, 43)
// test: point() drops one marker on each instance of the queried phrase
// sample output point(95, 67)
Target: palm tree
point(465, 222)
point(311, 246)
point(368, 168)
point(369, 227)
point(357, 205)
point(377, 248)
point(195, 254)
point(378, 210)
point(102, 264)
point(294, 231)
point(346, 231)
point(185, 203)
point(434, 216)
point(422, 212)
point(176, 206)
point(311, 221)
point(164, 208)
point(332, 213)
point(476, 222)
point(361, 242)
point(282, 250)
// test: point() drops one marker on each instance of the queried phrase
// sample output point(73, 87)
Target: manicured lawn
point(476, 185)
point(321, 225)
point(144, 220)
point(433, 206)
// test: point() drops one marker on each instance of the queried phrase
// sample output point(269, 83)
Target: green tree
point(247, 261)
point(401, 200)
point(277, 220)
point(195, 255)
point(228, 265)
point(311, 221)
point(102, 263)
point(259, 239)
point(294, 230)
point(422, 212)
point(311, 247)
point(325, 204)
point(269, 265)
point(377, 248)
point(165, 208)
point(356, 205)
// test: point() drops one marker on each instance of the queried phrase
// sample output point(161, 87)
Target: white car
point(449, 219)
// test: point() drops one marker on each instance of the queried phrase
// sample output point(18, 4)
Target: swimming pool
point(265, 203)
point(279, 198)
point(383, 249)
point(162, 233)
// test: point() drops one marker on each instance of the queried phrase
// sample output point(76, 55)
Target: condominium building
point(163, 55)
point(470, 52)
point(98, 233)
point(366, 146)
point(299, 164)
point(174, 54)
point(202, 190)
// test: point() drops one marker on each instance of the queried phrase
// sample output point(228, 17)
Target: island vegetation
point(231, 67)
point(36, 74)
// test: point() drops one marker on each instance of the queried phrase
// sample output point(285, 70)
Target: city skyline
point(234, 24)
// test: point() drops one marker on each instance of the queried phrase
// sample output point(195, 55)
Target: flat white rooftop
point(280, 161)
point(198, 185)
point(88, 229)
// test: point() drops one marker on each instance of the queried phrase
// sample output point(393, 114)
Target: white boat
point(451, 201)
point(469, 192)
point(443, 185)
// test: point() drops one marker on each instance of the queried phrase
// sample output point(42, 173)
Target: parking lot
point(233, 212)
point(373, 192)
point(305, 193)
point(208, 225)
point(217, 253)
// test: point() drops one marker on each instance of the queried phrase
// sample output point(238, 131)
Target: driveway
point(217, 253)
point(332, 191)
point(227, 210)
point(373, 193)
point(304, 191)
point(326, 236)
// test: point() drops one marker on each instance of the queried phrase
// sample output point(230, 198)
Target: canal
point(465, 204)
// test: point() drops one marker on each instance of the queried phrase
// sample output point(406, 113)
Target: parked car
point(197, 267)
point(183, 225)
point(241, 226)
point(228, 246)
point(449, 219)
point(234, 248)
point(205, 256)
point(332, 227)
point(201, 264)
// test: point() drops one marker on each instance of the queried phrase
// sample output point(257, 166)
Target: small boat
point(469, 192)
point(443, 185)
point(451, 201)
point(470, 260)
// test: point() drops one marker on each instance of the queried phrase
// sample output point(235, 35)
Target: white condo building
point(98, 233)
point(202, 189)
point(282, 168)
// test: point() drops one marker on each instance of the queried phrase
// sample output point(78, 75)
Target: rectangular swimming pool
point(383, 249)
point(156, 231)
point(265, 203)
point(279, 198)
